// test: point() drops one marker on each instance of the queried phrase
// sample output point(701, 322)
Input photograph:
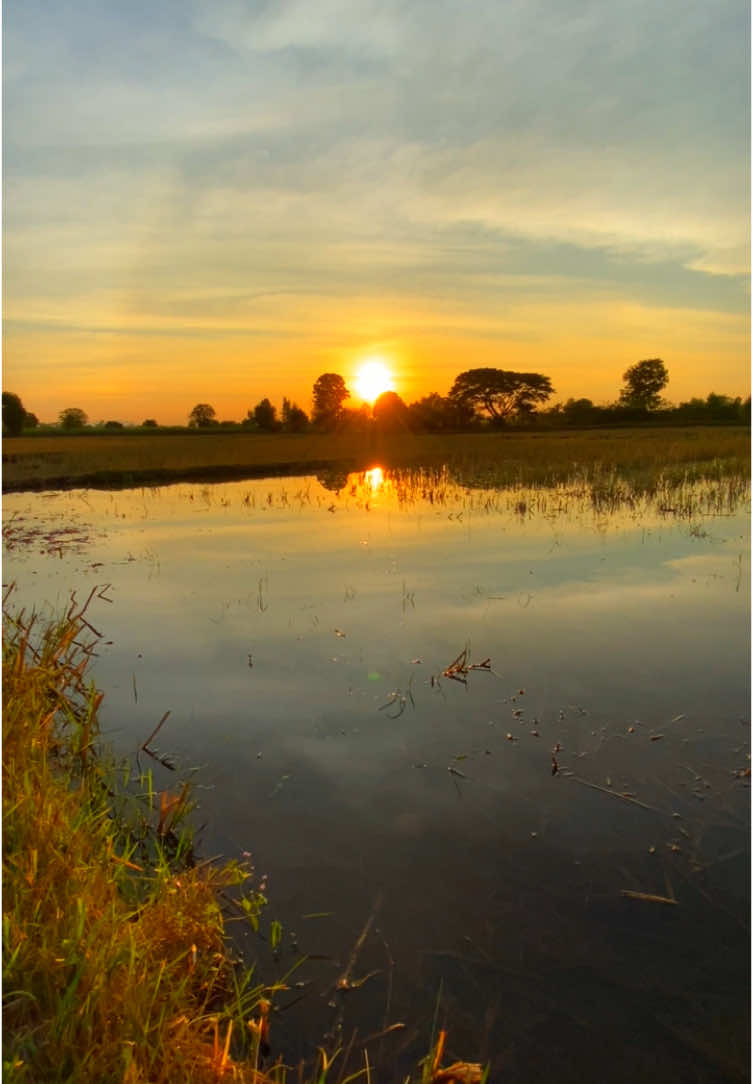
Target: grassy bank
point(499, 458)
point(116, 965)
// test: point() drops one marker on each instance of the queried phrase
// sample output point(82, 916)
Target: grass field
point(496, 458)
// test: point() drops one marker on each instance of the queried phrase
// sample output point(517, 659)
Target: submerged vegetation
point(116, 963)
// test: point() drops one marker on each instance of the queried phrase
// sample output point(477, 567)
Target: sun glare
point(374, 478)
point(373, 378)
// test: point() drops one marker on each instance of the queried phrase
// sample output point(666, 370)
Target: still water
point(591, 740)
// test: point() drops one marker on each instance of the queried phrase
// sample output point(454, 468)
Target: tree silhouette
point(73, 418)
point(202, 416)
point(643, 383)
point(265, 416)
point(149, 423)
point(14, 415)
point(440, 414)
point(499, 392)
point(390, 412)
point(579, 411)
point(294, 420)
point(330, 393)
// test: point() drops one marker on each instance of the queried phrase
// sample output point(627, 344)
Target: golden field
point(533, 457)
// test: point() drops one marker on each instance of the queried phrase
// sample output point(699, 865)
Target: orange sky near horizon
point(129, 377)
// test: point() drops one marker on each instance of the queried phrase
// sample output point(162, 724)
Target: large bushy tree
point(500, 393)
point(644, 383)
point(202, 416)
point(73, 418)
point(14, 414)
point(330, 393)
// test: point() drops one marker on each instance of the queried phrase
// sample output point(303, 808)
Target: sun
point(372, 379)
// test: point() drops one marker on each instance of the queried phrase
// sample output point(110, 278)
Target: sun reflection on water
point(374, 479)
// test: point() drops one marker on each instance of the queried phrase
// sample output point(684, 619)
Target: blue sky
point(219, 201)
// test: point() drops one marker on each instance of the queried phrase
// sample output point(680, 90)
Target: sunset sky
point(219, 201)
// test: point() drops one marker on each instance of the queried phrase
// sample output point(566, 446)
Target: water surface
point(299, 634)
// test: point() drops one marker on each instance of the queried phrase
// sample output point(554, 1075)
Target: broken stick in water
point(649, 897)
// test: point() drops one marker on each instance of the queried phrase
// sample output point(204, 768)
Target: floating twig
point(344, 982)
point(614, 794)
point(154, 732)
point(162, 758)
point(460, 667)
point(649, 897)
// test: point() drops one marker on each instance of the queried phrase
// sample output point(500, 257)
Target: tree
point(356, 420)
point(643, 383)
point(330, 393)
point(14, 415)
point(390, 412)
point(265, 415)
point(149, 423)
point(439, 414)
point(579, 411)
point(31, 421)
point(202, 416)
point(113, 425)
point(73, 418)
point(500, 393)
point(294, 420)
point(723, 407)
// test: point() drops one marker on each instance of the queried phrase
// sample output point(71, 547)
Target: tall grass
point(115, 964)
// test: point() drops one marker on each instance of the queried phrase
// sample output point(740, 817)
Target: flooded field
point(502, 734)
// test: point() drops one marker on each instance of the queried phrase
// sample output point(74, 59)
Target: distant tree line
point(484, 398)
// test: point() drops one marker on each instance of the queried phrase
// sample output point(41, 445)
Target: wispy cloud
point(199, 155)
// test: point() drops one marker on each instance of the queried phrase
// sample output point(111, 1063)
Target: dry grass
point(477, 458)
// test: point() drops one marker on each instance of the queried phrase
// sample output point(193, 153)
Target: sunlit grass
point(536, 458)
point(115, 964)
